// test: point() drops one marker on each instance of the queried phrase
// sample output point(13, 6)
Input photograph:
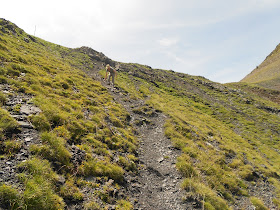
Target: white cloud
point(167, 42)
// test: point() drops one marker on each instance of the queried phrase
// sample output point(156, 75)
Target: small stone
point(18, 117)
point(9, 163)
point(26, 40)
point(160, 159)
point(27, 139)
point(18, 156)
point(61, 180)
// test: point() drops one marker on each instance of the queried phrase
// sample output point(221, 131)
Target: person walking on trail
point(112, 73)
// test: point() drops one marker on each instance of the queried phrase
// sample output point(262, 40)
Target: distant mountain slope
point(158, 140)
point(267, 74)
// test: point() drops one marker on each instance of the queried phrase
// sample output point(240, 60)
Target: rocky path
point(20, 106)
point(157, 185)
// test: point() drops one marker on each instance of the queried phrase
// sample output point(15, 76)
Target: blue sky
point(222, 40)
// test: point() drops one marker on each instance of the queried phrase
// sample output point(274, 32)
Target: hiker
point(112, 73)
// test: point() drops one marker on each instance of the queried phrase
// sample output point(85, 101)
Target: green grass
point(75, 109)
point(218, 129)
point(102, 168)
point(8, 125)
point(39, 192)
point(224, 132)
point(267, 74)
point(258, 204)
point(9, 197)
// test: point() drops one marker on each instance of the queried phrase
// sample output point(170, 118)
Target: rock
point(160, 159)
point(61, 180)
point(78, 155)
point(26, 40)
point(18, 117)
point(28, 139)
point(25, 124)
point(28, 109)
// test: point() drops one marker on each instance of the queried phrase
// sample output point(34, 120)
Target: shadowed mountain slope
point(157, 140)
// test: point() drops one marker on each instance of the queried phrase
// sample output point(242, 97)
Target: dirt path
point(157, 185)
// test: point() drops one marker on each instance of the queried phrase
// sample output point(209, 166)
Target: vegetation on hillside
point(76, 111)
point(228, 135)
point(267, 74)
point(229, 138)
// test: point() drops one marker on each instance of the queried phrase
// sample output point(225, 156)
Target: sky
point(222, 40)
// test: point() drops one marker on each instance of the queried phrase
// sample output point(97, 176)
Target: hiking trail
point(157, 185)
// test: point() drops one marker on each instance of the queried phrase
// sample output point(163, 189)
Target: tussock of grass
point(7, 123)
point(39, 194)
point(53, 149)
point(11, 147)
point(70, 191)
point(9, 197)
point(124, 205)
point(2, 99)
point(102, 168)
point(258, 203)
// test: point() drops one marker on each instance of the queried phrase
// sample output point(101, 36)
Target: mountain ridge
point(267, 74)
point(159, 139)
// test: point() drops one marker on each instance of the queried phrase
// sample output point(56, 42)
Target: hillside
point(158, 140)
point(267, 74)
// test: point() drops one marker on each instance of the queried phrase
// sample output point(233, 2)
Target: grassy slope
point(76, 110)
point(267, 74)
point(227, 133)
